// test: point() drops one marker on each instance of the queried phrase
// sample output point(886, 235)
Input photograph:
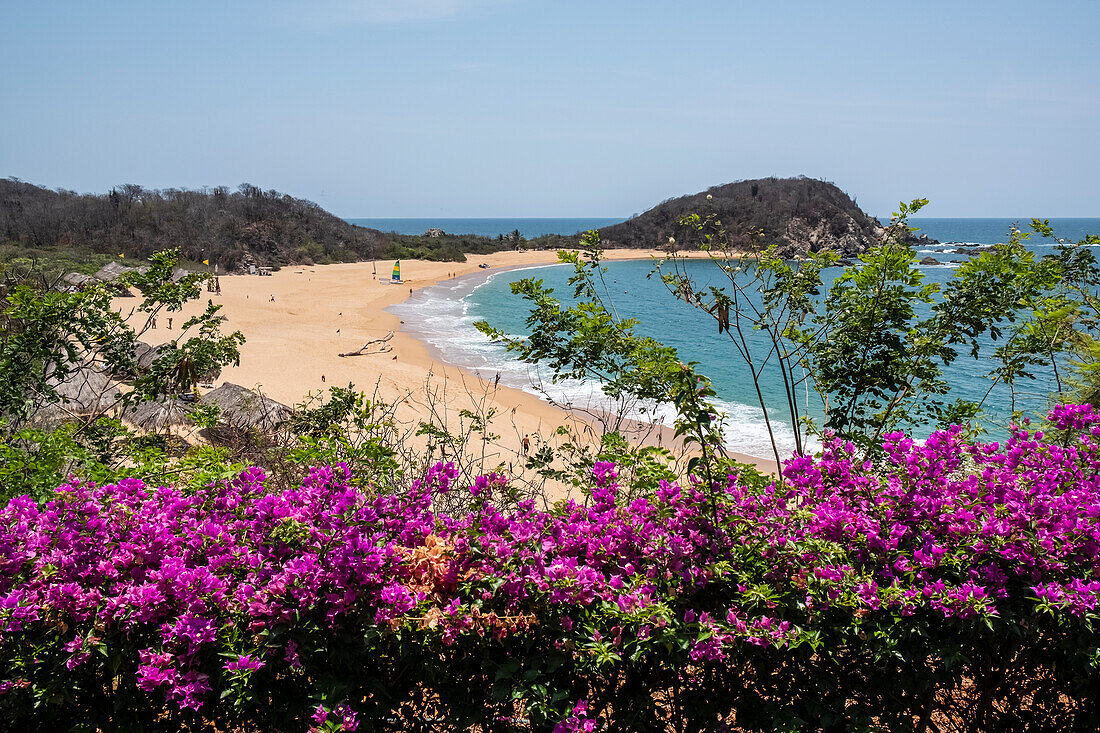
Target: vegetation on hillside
point(231, 229)
point(795, 215)
point(236, 228)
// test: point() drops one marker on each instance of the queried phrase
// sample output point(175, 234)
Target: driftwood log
point(380, 346)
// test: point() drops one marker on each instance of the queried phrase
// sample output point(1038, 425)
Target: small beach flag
point(396, 271)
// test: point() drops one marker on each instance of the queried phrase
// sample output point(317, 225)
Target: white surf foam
point(442, 317)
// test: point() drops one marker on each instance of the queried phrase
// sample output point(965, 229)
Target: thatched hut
point(243, 409)
point(75, 281)
point(145, 354)
point(86, 390)
point(156, 417)
point(112, 271)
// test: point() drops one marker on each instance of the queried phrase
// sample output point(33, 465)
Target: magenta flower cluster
point(216, 588)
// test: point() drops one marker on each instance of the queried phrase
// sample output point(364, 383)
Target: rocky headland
point(796, 215)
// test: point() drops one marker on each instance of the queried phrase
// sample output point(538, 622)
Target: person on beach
point(322, 379)
point(169, 324)
point(273, 297)
point(152, 323)
point(526, 445)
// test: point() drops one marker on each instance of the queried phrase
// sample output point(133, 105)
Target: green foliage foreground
point(956, 585)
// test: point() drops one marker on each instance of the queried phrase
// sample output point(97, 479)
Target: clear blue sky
point(419, 108)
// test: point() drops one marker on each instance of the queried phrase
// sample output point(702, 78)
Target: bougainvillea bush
point(950, 584)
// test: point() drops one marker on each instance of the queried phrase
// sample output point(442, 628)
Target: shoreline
point(639, 430)
point(300, 319)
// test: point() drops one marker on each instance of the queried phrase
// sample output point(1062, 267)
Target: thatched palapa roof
point(145, 354)
point(114, 270)
point(77, 280)
point(153, 417)
point(243, 408)
point(85, 390)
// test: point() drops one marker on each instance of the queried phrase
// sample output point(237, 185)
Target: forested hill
point(230, 228)
point(234, 229)
point(795, 214)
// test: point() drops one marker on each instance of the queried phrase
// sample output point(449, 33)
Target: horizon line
point(876, 216)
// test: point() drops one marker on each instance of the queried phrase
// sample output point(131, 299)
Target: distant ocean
point(443, 316)
point(529, 228)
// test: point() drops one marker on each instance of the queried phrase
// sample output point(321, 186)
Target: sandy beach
point(299, 320)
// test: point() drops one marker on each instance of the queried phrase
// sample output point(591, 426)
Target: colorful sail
point(397, 271)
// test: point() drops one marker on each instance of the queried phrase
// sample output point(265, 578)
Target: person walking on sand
point(273, 297)
point(152, 323)
point(169, 324)
point(526, 445)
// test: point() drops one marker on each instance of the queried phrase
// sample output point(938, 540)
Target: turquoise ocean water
point(443, 317)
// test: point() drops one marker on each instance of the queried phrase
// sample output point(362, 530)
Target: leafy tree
point(767, 293)
point(350, 429)
point(516, 239)
point(875, 344)
point(590, 340)
point(53, 338)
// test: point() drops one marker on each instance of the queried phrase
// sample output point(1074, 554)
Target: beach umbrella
point(242, 408)
point(110, 274)
point(143, 358)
